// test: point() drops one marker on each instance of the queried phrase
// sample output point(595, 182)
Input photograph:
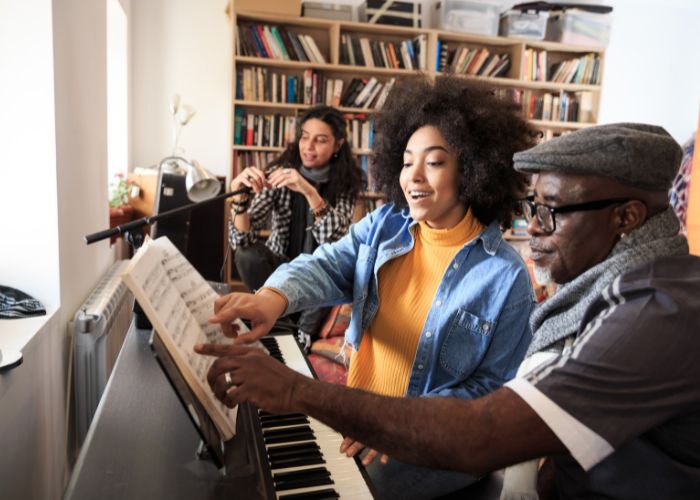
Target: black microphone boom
point(144, 221)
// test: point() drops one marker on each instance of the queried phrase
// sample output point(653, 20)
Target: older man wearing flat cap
point(617, 407)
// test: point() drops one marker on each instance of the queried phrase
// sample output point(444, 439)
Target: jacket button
point(485, 327)
point(428, 334)
point(420, 367)
point(438, 303)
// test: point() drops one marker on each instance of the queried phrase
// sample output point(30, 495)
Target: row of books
point(263, 130)
point(558, 107)
point(411, 54)
point(245, 159)
point(360, 132)
point(277, 130)
point(367, 93)
point(478, 62)
point(582, 70)
point(262, 85)
point(276, 42)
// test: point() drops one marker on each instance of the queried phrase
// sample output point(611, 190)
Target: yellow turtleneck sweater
point(407, 286)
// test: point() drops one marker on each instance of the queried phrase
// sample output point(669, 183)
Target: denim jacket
point(477, 330)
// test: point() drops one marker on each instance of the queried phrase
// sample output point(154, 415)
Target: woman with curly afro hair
point(440, 303)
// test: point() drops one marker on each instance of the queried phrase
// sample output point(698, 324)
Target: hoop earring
point(335, 155)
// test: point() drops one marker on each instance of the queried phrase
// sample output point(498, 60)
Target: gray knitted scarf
point(560, 316)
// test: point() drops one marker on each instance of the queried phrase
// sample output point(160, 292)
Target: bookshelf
point(553, 105)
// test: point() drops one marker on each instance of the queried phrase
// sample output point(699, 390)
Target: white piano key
point(348, 481)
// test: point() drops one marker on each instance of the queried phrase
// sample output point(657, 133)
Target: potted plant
point(120, 212)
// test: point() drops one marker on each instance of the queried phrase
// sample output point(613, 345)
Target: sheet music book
point(178, 301)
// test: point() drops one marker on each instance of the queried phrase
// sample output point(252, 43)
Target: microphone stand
point(145, 221)
point(135, 239)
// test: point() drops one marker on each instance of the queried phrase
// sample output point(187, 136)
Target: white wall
point(53, 191)
point(652, 65)
point(181, 47)
point(81, 145)
point(28, 221)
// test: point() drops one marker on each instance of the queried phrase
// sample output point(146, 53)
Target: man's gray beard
point(542, 275)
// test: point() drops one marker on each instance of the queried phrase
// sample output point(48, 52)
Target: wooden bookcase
point(328, 34)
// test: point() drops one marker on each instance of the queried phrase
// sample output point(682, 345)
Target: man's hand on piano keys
point(351, 448)
point(255, 378)
point(262, 310)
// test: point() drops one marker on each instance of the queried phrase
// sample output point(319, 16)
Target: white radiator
point(98, 327)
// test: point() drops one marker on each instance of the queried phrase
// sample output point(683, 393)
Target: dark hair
point(483, 130)
point(346, 176)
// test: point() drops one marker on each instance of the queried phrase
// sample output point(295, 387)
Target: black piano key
point(317, 476)
point(312, 495)
point(290, 437)
point(266, 424)
point(269, 341)
point(284, 463)
point(288, 450)
point(267, 415)
point(286, 430)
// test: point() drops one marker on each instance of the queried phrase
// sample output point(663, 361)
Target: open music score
point(178, 301)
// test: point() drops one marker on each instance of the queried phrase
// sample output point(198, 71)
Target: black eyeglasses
point(545, 214)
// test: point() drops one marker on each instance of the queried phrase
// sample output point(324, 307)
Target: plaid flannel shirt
point(331, 227)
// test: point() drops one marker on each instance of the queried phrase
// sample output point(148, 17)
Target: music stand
point(209, 434)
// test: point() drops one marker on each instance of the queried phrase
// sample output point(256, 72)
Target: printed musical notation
point(179, 301)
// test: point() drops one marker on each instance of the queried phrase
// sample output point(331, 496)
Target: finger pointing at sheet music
point(255, 377)
point(262, 310)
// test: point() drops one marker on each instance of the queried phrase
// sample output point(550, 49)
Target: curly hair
point(346, 175)
point(482, 129)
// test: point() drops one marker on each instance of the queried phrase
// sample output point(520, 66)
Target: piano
point(141, 443)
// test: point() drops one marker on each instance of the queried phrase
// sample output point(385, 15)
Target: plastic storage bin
point(530, 25)
point(578, 27)
point(470, 16)
point(338, 10)
point(412, 13)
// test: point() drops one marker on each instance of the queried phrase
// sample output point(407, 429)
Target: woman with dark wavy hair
point(309, 192)
point(440, 303)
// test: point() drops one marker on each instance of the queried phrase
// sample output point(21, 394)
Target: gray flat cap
point(636, 154)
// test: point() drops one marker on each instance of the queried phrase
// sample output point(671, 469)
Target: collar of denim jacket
point(491, 237)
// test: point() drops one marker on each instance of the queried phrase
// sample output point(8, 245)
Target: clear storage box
point(578, 27)
point(470, 16)
point(530, 25)
point(411, 13)
point(338, 10)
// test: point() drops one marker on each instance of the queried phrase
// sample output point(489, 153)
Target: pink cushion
point(336, 322)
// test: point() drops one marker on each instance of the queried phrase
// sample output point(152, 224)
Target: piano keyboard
point(303, 453)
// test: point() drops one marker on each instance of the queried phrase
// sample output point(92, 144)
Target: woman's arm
point(243, 229)
point(328, 275)
point(334, 224)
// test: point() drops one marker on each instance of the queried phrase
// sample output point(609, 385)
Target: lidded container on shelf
point(586, 22)
point(525, 23)
point(409, 13)
point(470, 16)
point(584, 25)
point(338, 10)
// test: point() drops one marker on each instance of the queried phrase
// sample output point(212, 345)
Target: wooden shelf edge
point(298, 105)
point(560, 125)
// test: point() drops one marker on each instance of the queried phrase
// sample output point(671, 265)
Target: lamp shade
point(200, 184)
